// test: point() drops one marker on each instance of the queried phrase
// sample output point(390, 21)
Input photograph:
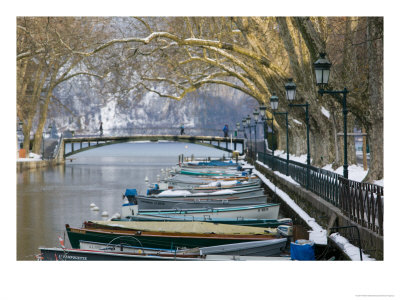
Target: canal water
point(47, 199)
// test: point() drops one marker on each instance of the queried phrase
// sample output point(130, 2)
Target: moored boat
point(259, 211)
point(164, 239)
point(273, 223)
point(214, 194)
point(207, 188)
point(197, 202)
point(258, 250)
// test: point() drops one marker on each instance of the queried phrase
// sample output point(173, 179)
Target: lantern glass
point(248, 120)
point(238, 125)
point(244, 122)
point(274, 101)
point(256, 113)
point(263, 108)
point(290, 95)
point(322, 70)
point(290, 88)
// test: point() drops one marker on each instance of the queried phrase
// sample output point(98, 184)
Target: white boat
point(260, 211)
point(255, 250)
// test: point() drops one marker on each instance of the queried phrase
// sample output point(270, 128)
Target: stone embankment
point(36, 164)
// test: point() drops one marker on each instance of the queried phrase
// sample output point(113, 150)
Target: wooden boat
point(216, 194)
point(213, 163)
point(101, 251)
point(260, 211)
point(194, 181)
point(272, 223)
point(180, 238)
point(208, 188)
point(53, 254)
point(197, 202)
point(208, 172)
point(180, 227)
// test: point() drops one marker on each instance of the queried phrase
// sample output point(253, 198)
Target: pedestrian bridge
point(73, 145)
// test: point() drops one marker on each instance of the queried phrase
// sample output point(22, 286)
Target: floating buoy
point(95, 208)
point(117, 216)
point(146, 179)
point(92, 205)
point(162, 170)
point(104, 214)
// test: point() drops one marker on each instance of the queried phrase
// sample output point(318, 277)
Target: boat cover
point(188, 227)
point(130, 192)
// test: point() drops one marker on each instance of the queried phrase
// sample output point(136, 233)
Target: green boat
point(234, 175)
point(161, 239)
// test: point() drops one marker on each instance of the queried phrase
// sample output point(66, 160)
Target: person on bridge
point(101, 129)
point(182, 129)
point(225, 130)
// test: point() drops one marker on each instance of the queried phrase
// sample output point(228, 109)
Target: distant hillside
point(81, 109)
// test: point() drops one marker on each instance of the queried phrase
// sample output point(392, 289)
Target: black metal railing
point(150, 131)
point(361, 202)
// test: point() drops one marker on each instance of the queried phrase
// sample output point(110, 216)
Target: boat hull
point(52, 254)
point(214, 194)
point(271, 223)
point(191, 202)
point(261, 211)
point(156, 240)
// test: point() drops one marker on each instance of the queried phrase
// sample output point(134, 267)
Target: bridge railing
point(150, 131)
point(361, 202)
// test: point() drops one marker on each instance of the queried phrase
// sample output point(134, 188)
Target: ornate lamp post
point(274, 105)
point(248, 122)
point(322, 71)
point(262, 109)
point(290, 88)
point(237, 129)
point(244, 132)
point(244, 126)
point(256, 114)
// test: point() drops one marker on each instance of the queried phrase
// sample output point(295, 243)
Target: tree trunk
point(375, 91)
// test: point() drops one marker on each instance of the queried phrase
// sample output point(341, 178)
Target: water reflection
point(47, 199)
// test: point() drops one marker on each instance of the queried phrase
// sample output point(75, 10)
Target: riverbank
point(36, 164)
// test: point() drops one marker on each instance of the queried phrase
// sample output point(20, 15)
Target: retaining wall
point(27, 165)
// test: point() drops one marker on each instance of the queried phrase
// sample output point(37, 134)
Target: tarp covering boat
point(187, 227)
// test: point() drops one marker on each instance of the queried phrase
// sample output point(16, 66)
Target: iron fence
point(361, 202)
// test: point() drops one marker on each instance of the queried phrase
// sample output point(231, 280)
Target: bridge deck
point(223, 143)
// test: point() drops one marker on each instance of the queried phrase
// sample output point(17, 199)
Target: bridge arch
point(222, 143)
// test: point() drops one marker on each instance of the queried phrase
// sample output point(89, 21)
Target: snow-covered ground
point(32, 157)
point(356, 172)
point(317, 234)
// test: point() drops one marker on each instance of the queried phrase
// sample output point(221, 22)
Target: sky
point(294, 280)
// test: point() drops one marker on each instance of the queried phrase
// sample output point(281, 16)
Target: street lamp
point(256, 114)
point(244, 126)
point(248, 121)
point(274, 105)
point(262, 109)
point(322, 71)
point(290, 88)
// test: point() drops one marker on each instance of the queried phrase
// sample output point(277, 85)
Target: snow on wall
point(318, 235)
point(297, 122)
point(325, 112)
